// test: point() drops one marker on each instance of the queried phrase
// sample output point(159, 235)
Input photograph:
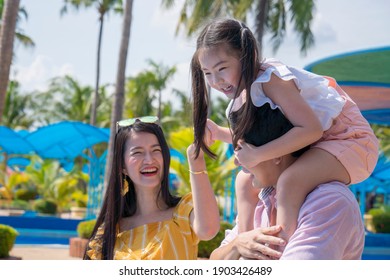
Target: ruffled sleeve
point(95, 245)
point(269, 66)
point(181, 216)
point(325, 101)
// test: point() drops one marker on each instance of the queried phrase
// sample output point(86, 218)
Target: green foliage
point(145, 88)
point(278, 15)
point(20, 204)
point(14, 204)
point(53, 182)
point(4, 204)
point(15, 114)
point(45, 206)
point(205, 248)
point(65, 98)
point(382, 132)
point(381, 219)
point(219, 170)
point(80, 198)
point(21, 38)
point(7, 239)
point(26, 194)
point(85, 228)
point(9, 182)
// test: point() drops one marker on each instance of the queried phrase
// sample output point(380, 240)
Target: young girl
point(140, 218)
point(343, 146)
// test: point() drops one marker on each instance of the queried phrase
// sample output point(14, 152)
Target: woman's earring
point(125, 186)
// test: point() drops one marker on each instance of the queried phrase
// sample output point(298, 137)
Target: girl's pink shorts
point(351, 140)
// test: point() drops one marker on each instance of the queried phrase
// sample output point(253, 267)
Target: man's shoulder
point(334, 193)
point(332, 188)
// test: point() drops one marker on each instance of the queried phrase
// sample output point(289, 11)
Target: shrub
point(20, 204)
point(381, 219)
point(85, 228)
point(5, 203)
point(45, 206)
point(7, 239)
point(80, 198)
point(206, 247)
point(26, 194)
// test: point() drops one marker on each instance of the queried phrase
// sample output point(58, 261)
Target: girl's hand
point(247, 154)
point(213, 129)
point(216, 132)
point(191, 152)
point(208, 137)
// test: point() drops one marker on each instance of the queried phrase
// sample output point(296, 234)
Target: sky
point(68, 44)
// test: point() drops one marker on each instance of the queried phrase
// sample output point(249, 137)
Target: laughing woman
point(140, 219)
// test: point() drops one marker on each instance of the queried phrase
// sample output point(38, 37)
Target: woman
point(140, 218)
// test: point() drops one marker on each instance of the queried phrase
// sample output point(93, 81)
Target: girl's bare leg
point(247, 198)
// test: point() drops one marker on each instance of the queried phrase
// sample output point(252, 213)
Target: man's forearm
point(226, 252)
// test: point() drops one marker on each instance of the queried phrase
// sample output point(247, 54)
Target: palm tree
point(16, 106)
point(105, 106)
point(118, 101)
point(7, 34)
point(139, 95)
point(74, 99)
point(175, 118)
point(64, 99)
point(67, 99)
point(162, 75)
point(20, 37)
point(270, 15)
point(103, 7)
point(6, 37)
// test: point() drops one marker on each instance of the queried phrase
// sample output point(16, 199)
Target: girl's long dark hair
point(239, 40)
point(115, 206)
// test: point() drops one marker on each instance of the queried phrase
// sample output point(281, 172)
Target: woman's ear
point(124, 171)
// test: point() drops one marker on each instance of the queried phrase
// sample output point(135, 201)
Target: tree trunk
point(7, 34)
point(261, 17)
point(159, 113)
point(119, 97)
point(95, 98)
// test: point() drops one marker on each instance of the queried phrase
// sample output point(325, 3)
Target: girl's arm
point(307, 127)
point(205, 216)
point(219, 132)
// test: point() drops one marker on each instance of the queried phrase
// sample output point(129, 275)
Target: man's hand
point(257, 243)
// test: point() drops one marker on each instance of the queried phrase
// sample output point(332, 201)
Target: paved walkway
point(61, 252)
point(42, 252)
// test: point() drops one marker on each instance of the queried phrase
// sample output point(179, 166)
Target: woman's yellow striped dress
point(166, 240)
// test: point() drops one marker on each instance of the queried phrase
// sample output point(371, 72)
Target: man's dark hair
point(270, 124)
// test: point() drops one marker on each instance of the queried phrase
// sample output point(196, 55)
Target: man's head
point(270, 124)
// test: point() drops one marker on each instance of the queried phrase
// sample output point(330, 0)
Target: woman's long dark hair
point(115, 206)
point(239, 40)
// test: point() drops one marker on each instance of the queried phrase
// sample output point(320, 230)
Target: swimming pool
point(377, 246)
point(42, 229)
point(44, 236)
